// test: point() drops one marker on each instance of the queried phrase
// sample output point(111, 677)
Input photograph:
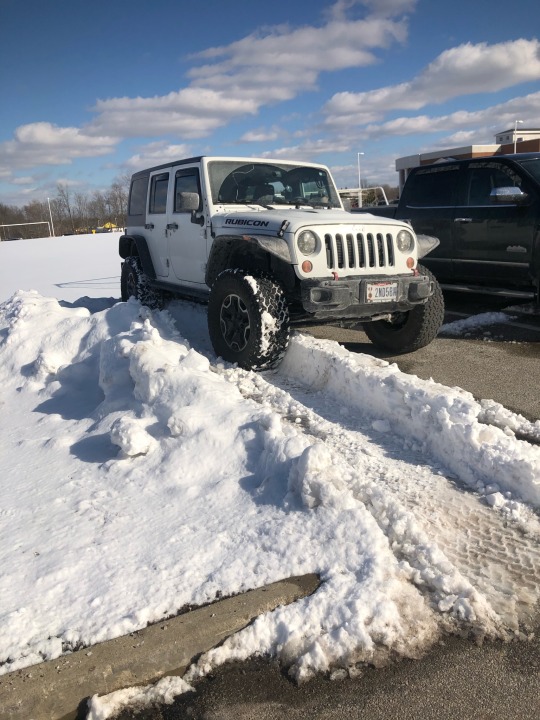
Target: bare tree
point(64, 198)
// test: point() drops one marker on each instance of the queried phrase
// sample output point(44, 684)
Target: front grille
point(359, 251)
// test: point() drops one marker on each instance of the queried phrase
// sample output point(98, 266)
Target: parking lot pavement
point(457, 679)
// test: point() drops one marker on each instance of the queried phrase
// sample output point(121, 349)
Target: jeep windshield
point(234, 182)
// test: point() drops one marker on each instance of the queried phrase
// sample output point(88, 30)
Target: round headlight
point(405, 241)
point(307, 242)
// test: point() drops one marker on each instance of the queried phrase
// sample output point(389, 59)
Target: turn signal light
point(410, 263)
point(307, 266)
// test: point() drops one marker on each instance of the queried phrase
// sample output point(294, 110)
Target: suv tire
point(248, 320)
point(410, 330)
point(134, 283)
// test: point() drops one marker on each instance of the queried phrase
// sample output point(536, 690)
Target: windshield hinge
point(284, 225)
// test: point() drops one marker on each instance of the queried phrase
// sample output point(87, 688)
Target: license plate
point(381, 292)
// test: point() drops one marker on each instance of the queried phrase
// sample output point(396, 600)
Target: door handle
point(172, 226)
point(149, 226)
point(463, 220)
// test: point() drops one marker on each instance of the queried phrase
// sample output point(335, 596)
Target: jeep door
point(186, 229)
point(155, 229)
point(493, 241)
point(428, 202)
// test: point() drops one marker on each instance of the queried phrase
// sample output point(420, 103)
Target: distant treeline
point(72, 212)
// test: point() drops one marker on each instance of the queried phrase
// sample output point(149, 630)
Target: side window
point(186, 181)
point(137, 196)
point(158, 194)
point(432, 187)
point(483, 177)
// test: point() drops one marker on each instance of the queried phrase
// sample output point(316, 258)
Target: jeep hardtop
point(268, 244)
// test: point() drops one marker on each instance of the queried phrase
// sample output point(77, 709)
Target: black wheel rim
point(235, 324)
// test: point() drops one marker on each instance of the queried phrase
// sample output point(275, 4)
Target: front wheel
point(248, 320)
point(411, 330)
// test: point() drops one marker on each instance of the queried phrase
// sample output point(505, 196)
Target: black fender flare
point(252, 248)
point(137, 245)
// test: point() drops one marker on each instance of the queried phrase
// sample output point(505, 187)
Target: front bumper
point(348, 298)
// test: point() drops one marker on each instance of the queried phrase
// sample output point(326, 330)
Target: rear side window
point(432, 187)
point(158, 194)
point(137, 196)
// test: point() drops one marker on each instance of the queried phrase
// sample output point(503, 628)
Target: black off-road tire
point(410, 330)
point(134, 283)
point(248, 320)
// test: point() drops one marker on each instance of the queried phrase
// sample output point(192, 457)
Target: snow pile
point(447, 423)
point(163, 692)
point(142, 477)
point(461, 327)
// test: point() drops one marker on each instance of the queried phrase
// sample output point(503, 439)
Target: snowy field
point(140, 475)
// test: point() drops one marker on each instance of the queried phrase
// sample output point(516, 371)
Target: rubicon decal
point(246, 221)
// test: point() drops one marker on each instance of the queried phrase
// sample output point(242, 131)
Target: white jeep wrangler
point(267, 243)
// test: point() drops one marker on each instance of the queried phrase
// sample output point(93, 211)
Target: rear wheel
point(248, 320)
point(409, 331)
point(134, 283)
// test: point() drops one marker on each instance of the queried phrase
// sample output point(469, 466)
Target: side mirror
point(508, 196)
point(187, 202)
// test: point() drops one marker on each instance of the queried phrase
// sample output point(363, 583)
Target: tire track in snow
point(447, 535)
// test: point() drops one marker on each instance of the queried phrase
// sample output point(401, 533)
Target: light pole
point(50, 215)
point(515, 131)
point(359, 182)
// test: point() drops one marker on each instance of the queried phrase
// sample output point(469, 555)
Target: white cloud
point(341, 9)
point(498, 117)
point(43, 143)
point(462, 70)
point(282, 62)
point(309, 150)
point(190, 113)
point(26, 180)
point(259, 136)
point(156, 153)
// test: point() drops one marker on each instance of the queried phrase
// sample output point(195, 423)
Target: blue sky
point(91, 91)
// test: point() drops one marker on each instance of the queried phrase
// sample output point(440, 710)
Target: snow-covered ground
point(139, 475)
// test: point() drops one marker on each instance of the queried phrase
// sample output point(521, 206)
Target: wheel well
point(249, 256)
point(127, 246)
point(137, 245)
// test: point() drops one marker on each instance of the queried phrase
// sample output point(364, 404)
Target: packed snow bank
point(448, 423)
point(142, 477)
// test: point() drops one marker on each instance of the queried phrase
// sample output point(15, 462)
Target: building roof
point(501, 132)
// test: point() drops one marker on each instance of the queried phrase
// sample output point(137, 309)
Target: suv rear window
point(137, 196)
